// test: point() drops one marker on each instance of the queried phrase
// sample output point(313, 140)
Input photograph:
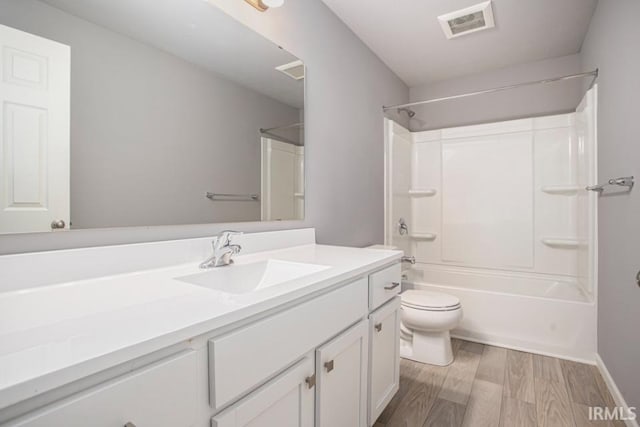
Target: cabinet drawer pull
point(129, 424)
point(378, 326)
point(329, 365)
point(392, 286)
point(311, 381)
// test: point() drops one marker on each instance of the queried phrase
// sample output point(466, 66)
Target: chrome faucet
point(223, 250)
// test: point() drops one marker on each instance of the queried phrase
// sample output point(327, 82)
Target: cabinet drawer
point(247, 357)
point(384, 285)
point(384, 357)
point(161, 395)
point(287, 400)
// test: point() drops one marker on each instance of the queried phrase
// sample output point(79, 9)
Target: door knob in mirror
point(58, 224)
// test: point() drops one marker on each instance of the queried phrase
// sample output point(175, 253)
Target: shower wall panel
point(499, 196)
point(487, 201)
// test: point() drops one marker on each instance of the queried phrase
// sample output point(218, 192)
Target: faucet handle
point(225, 237)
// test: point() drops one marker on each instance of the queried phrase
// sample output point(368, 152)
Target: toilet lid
point(429, 300)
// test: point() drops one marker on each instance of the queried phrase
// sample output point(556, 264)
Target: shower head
point(409, 112)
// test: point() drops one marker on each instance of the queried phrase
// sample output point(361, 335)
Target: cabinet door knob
point(392, 286)
point(311, 381)
point(329, 365)
point(378, 326)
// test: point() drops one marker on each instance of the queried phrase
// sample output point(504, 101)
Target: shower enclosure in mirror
point(142, 113)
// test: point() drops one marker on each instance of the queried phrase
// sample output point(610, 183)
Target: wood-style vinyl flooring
point(491, 386)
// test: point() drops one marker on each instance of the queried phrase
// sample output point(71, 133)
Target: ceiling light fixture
point(263, 5)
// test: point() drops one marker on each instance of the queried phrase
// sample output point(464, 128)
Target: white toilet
point(427, 318)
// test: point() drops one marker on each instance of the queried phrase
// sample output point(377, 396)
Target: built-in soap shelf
point(568, 190)
point(422, 192)
point(561, 242)
point(423, 236)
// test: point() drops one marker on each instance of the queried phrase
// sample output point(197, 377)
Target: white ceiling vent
point(466, 21)
point(294, 69)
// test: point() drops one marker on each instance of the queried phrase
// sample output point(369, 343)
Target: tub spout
point(409, 259)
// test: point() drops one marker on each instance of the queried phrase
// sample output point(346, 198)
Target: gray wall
point(151, 133)
point(554, 98)
point(613, 45)
point(346, 87)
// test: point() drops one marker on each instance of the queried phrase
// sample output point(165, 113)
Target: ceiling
point(200, 33)
point(407, 36)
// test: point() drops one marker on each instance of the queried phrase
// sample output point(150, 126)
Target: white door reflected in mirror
point(34, 153)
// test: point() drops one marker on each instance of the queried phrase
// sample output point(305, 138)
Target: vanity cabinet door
point(341, 367)
point(286, 401)
point(384, 357)
point(163, 394)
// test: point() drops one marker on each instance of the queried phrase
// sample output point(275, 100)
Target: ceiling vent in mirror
point(466, 21)
point(294, 69)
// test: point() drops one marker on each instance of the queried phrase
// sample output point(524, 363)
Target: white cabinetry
point(286, 401)
point(384, 357)
point(161, 395)
point(245, 358)
point(341, 367)
point(330, 360)
point(384, 285)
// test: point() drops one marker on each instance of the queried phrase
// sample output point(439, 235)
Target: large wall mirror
point(142, 112)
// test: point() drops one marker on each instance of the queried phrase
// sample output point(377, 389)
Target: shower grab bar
point(226, 197)
point(625, 181)
point(423, 236)
point(561, 242)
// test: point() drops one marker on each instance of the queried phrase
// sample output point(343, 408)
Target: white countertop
point(53, 335)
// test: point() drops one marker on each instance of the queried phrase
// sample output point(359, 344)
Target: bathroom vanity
point(292, 333)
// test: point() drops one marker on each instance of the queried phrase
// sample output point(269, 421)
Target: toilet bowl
point(427, 318)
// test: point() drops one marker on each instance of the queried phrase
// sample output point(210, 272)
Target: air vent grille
point(467, 23)
point(469, 20)
point(294, 69)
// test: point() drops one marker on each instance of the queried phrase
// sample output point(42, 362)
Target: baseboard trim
point(499, 342)
point(613, 389)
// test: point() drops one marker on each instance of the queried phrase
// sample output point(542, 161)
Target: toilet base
point(433, 348)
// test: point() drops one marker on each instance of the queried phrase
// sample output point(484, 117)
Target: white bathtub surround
point(498, 216)
point(542, 315)
point(58, 339)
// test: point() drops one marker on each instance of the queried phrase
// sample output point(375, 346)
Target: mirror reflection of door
point(282, 180)
point(34, 139)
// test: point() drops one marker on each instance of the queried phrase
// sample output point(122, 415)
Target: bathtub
point(544, 315)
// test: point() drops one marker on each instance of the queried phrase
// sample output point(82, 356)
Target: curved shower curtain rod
point(593, 73)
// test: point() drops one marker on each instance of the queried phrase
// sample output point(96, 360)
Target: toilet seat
point(429, 301)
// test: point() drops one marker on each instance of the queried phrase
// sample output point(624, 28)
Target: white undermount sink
point(244, 278)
